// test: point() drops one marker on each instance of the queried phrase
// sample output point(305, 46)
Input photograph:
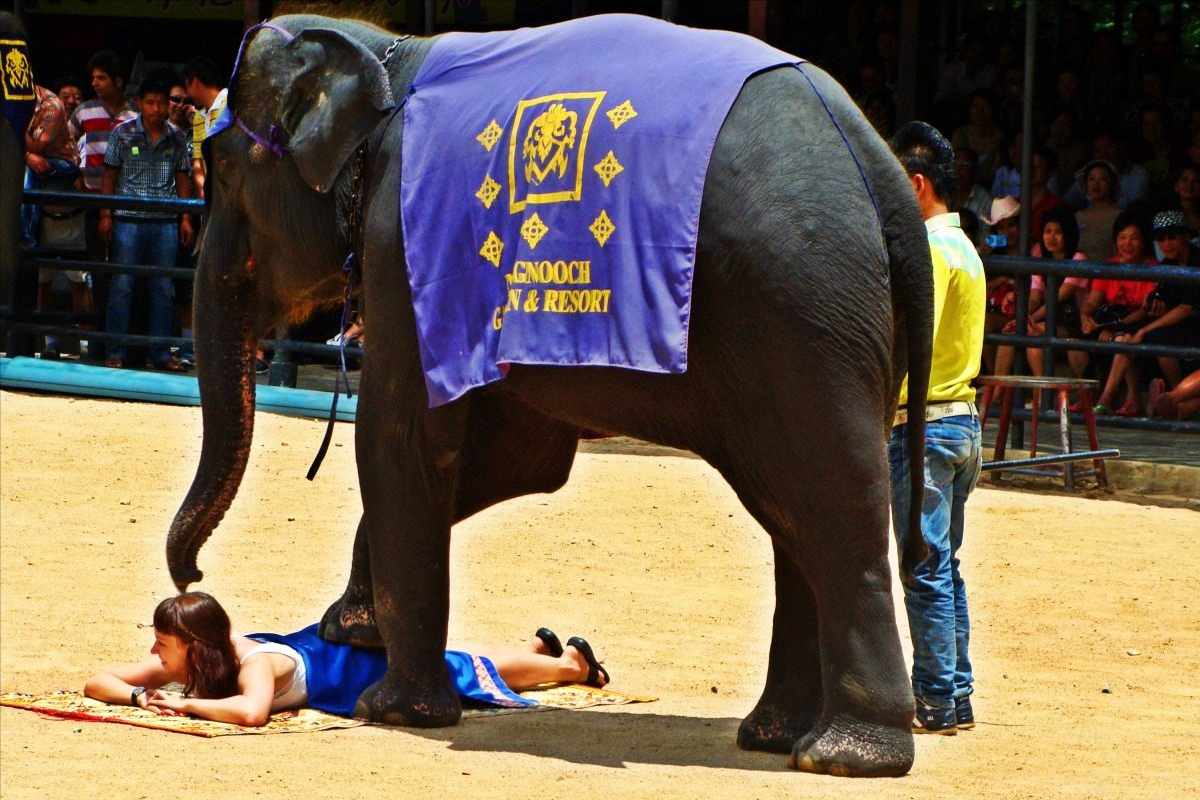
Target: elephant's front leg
point(351, 619)
point(407, 462)
point(791, 701)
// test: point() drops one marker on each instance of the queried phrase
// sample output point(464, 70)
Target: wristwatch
point(137, 692)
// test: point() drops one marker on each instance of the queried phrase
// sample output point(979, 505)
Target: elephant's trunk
point(225, 304)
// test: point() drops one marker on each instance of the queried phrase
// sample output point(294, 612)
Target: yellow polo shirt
point(959, 303)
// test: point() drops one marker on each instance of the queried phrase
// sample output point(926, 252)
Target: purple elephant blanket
point(551, 189)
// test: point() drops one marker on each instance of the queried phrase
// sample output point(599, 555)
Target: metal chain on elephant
point(352, 271)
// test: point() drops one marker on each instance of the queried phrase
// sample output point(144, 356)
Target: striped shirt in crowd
point(145, 169)
point(91, 125)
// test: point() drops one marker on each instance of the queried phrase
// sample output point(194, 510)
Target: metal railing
point(25, 322)
point(1054, 270)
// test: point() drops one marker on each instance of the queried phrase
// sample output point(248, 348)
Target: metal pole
point(1031, 14)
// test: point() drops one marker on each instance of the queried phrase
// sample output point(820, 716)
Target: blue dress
point(338, 673)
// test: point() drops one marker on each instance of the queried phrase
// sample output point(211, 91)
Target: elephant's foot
point(351, 622)
point(390, 704)
point(848, 748)
point(773, 728)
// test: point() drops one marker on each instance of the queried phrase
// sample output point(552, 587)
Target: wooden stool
point(1063, 387)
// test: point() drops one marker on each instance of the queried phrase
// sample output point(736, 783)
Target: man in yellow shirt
point(935, 598)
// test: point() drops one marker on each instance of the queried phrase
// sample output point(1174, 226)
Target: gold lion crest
point(548, 142)
point(18, 76)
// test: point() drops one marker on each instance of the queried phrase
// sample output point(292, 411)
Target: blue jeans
point(936, 598)
point(150, 243)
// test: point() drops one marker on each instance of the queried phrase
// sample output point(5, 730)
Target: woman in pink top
point(1116, 308)
point(1058, 238)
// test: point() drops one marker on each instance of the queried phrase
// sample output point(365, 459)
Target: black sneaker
point(963, 713)
point(931, 719)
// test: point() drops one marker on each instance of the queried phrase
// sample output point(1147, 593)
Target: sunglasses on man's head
point(180, 98)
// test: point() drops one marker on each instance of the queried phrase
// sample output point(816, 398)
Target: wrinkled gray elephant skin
point(807, 311)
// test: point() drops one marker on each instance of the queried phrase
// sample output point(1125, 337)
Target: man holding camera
point(935, 597)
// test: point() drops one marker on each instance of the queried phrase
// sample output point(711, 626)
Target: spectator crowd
point(1115, 177)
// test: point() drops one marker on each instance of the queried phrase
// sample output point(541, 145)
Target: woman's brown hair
point(199, 622)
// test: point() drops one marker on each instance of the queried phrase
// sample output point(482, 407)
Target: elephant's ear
point(340, 94)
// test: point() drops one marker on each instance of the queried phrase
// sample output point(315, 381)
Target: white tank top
point(295, 694)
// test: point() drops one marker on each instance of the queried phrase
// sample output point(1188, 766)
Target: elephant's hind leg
point(791, 701)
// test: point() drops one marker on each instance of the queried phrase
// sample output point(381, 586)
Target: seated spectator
point(1007, 180)
point(981, 133)
point(1185, 191)
point(1069, 148)
point(1179, 403)
point(1155, 152)
point(969, 222)
point(1005, 223)
point(1173, 309)
point(968, 193)
point(1058, 239)
point(1133, 182)
point(1116, 307)
point(1096, 219)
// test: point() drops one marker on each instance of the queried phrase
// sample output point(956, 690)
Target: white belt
point(933, 411)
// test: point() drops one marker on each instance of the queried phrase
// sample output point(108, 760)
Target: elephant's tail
point(912, 298)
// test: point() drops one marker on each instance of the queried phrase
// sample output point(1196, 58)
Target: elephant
point(811, 300)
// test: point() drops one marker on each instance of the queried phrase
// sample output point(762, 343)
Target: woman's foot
point(1158, 388)
point(546, 643)
point(595, 675)
point(1132, 408)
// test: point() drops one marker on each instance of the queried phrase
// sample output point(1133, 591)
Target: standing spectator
point(182, 110)
point(147, 157)
point(51, 162)
point(935, 597)
point(91, 125)
point(94, 120)
point(1007, 180)
point(1096, 220)
point(203, 85)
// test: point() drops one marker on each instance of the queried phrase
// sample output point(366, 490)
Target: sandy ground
point(1086, 617)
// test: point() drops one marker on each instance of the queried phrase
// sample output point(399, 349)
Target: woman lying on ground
point(244, 679)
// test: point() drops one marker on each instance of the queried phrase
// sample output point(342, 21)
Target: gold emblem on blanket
point(490, 135)
point(17, 74)
point(492, 248)
point(608, 168)
point(533, 229)
point(621, 114)
point(546, 148)
point(602, 227)
point(488, 191)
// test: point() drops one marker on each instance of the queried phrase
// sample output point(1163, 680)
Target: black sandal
point(594, 668)
point(553, 645)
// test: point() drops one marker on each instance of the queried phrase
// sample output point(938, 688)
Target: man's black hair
point(67, 80)
point(110, 62)
point(922, 149)
point(159, 81)
point(203, 69)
